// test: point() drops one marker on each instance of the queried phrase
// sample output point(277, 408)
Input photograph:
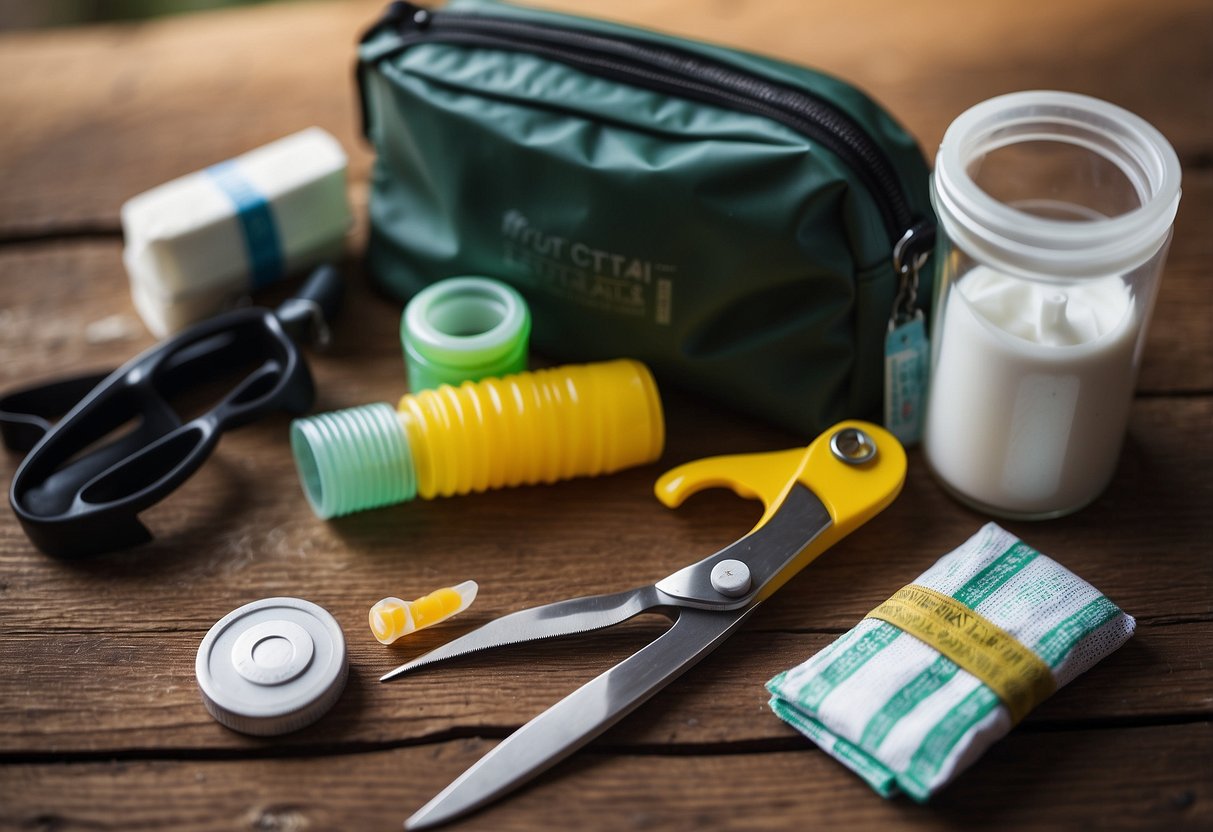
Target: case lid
point(272, 666)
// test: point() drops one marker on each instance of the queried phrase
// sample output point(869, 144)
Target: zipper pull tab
point(401, 15)
point(395, 18)
point(906, 348)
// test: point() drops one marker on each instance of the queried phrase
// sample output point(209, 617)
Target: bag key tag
point(906, 351)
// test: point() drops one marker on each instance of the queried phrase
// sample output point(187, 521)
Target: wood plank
point(1178, 358)
point(100, 720)
point(226, 539)
point(1075, 777)
point(152, 101)
point(135, 692)
point(117, 635)
point(240, 529)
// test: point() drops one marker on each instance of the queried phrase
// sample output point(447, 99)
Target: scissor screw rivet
point(852, 446)
point(731, 578)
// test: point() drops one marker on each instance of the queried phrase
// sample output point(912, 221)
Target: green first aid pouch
point(747, 228)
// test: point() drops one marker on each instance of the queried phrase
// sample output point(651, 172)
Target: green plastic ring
point(464, 329)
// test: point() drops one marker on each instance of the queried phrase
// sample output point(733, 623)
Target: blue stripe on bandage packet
point(257, 222)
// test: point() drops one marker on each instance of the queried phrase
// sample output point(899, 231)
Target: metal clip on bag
point(727, 219)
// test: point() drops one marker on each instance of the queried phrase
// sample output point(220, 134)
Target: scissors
point(813, 497)
point(127, 438)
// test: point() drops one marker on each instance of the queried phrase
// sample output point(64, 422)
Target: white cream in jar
point(1031, 390)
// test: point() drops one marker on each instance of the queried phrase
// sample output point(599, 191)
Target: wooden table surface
point(101, 725)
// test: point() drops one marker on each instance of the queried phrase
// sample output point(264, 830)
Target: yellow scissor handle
point(852, 489)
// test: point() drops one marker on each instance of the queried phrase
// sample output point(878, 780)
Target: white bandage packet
point(197, 243)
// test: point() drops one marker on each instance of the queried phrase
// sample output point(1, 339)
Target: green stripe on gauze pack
point(904, 717)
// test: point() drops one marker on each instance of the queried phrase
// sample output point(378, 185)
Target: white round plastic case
point(272, 666)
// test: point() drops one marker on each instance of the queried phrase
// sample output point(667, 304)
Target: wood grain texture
point(1077, 779)
point(134, 693)
point(241, 530)
point(101, 725)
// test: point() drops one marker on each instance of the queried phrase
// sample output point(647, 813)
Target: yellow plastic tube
point(535, 427)
point(392, 618)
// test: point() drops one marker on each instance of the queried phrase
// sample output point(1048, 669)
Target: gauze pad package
point(918, 690)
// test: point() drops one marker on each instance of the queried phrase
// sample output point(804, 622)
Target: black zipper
point(682, 73)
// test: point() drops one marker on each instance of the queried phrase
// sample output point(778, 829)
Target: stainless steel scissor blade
point(563, 618)
point(813, 496)
point(581, 716)
point(800, 518)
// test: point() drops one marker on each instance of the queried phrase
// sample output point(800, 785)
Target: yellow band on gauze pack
point(1004, 664)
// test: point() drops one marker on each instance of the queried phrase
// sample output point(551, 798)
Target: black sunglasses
point(130, 437)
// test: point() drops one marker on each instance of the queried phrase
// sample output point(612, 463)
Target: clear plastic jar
point(1055, 214)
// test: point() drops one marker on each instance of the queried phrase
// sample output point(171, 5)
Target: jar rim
point(1016, 241)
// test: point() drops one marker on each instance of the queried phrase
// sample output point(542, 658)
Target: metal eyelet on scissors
point(813, 497)
point(132, 436)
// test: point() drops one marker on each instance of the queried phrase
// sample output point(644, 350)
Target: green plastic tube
point(464, 329)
